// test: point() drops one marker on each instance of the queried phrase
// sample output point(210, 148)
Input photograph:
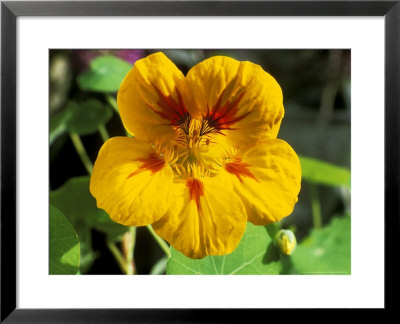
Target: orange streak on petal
point(153, 163)
point(171, 110)
point(196, 190)
point(224, 116)
point(239, 169)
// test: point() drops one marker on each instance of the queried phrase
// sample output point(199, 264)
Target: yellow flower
point(205, 158)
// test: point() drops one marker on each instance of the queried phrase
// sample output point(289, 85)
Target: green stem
point(80, 149)
point(118, 256)
point(132, 231)
point(315, 206)
point(164, 246)
point(104, 133)
point(125, 263)
point(113, 103)
point(129, 257)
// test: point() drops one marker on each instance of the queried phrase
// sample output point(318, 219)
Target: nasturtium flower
point(205, 157)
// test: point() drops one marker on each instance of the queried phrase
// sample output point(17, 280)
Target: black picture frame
point(10, 10)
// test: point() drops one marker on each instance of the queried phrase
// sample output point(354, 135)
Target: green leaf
point(86, 249)
point(326, 250)
point(255, 254)
point(320, 172)
point(64, 244)
point(85, 117)
point(76, 202)
point(105, 74)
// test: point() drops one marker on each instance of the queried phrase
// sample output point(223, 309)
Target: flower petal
point(150, 98)
point(239, 99)
point(131, 182)
point(267, 178)
point(205, 219)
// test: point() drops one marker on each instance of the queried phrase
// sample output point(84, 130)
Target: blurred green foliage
point(326, 250)
point(316, 88)
point(320, 172)
point(75, 201)
point(82, 118)
point(64, 244)
point(105, 74)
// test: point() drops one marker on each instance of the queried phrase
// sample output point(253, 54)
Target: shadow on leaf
point(272, 254)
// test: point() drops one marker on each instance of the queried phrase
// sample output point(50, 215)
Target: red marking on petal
point(196, 190)
point(170, 109)
point(239, 169)
point(153, 163)
point(222, 117)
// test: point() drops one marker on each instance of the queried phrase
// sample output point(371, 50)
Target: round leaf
point(105, 74)
point(85, 117)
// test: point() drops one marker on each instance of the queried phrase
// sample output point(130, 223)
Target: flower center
point(194, 133)
point(200, 143)
point(194, 141)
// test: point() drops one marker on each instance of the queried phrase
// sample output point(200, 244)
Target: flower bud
point(286, 241)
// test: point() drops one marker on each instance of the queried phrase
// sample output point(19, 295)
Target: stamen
point(191, 170)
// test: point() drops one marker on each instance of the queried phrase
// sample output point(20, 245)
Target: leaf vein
point(247, 263)
point(186, 267)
